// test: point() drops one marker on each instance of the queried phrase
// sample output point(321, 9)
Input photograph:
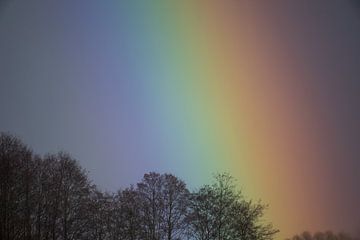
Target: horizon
point(110, 196)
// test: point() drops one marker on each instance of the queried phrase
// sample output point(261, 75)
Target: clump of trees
point(52, 198)
point(328, 235)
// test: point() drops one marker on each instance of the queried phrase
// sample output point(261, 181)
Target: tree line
point(51, 197)
point(328, 235)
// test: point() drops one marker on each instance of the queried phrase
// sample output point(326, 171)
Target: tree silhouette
point(52, 198)
point(175, 199)
point(219, 212)
point(15, 180)
point(151, 202)
point(328, 235)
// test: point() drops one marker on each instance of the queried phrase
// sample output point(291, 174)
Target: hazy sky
point(77, 76)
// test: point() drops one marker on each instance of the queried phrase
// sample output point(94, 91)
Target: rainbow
point(220, 92)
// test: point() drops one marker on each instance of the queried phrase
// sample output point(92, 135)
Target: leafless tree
point(220, 212)
point(130, 214)
point(51, 198)
point(149, 190)
point(175, 197)
point(15, 183)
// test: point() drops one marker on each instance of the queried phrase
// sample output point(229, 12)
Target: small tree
point(219, 212)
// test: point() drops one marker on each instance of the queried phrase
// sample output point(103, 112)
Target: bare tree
point(151, 205)
point(74, 197)
point(51, 198)
point(130, 214)
point(175, 198)
point(15, 180)
point(201, 223)
point(219, 212)
point(99, 214)
point(63, 196)
point(42, 189)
